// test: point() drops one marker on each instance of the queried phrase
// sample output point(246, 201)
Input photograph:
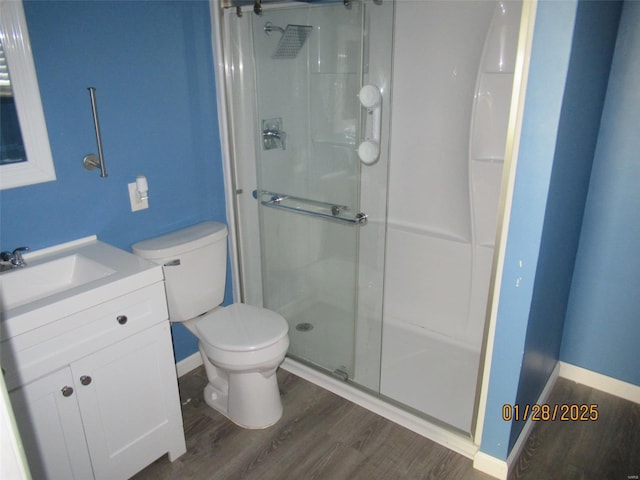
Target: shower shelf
point(306, 206)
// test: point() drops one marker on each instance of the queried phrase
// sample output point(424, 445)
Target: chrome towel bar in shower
point(306, 206)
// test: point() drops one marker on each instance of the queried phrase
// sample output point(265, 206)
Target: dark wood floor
point(608, 448)
point(322, 436)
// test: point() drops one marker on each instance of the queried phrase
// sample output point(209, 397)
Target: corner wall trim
point(185, 365)
point(500, 468)
point(596, 380)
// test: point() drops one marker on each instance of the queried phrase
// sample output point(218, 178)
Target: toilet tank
point(194, 261)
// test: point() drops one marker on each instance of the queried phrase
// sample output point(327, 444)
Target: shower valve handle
point(272, 135)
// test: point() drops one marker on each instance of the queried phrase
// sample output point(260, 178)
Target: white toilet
point(241, 346)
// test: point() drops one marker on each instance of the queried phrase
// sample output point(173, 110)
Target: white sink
point(68, 278)
point(26, 284)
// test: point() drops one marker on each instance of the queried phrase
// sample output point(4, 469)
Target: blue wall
point(593, 43)
point(602, 328)
point(548, 70)
point(152, 66)
point(570, 62)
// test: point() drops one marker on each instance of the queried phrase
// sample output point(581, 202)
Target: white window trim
point(17, 48)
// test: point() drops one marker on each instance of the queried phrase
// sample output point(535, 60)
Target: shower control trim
point(272, 134)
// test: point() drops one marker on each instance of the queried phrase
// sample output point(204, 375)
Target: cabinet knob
point(85, 379)
point(122, 319)
point(67, 391)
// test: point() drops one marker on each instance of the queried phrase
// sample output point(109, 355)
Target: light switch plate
point(136, 203)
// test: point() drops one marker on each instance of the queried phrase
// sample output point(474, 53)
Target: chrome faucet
point(14, 259)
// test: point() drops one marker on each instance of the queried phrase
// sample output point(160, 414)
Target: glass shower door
point(308, 72)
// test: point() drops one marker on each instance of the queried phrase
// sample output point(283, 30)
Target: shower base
point(329, 343)
point(429, 374)
point(426, 373)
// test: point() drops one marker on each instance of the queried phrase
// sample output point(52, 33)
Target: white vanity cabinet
point(95, 393)
point(51, 427)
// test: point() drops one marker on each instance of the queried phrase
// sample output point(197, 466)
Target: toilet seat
point(241, 328)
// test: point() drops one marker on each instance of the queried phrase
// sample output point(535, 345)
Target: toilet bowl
point(241, 345)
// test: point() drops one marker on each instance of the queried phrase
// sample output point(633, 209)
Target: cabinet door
point(48, 418)
point(129, 402)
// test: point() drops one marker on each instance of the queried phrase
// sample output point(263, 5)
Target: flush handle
point(122, 319)
point(172, 263)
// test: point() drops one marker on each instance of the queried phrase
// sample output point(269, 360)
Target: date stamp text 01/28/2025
point(564, 412)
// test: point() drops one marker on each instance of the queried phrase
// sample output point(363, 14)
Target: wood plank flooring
point(322, 436)
point(608, 448)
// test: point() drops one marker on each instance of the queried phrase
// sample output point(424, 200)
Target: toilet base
point(249, 399)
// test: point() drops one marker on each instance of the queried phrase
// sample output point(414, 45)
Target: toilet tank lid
point(181, 241)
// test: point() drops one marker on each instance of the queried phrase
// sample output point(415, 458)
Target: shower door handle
point(306, 206)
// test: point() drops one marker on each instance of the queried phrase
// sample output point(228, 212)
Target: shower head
point(292, 40)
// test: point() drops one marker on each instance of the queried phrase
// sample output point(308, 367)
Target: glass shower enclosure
point(324, 219)
point(320, 207)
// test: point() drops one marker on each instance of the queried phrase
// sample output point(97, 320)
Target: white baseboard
point(185, 365)
point(491, 465)
point(607, 384)
point(500, 468)
point(451, 440)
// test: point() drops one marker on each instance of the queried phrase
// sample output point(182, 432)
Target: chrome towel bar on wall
point(93, 161)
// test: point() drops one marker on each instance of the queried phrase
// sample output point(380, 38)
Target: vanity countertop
point(112, 272)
